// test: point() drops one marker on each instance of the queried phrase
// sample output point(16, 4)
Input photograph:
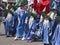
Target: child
point(25, 27)
point(40, 31)
point(31, 32)
point(9, 24)
point(53, 21)
point(21, 21)
point(56, 36)
point(46, 28)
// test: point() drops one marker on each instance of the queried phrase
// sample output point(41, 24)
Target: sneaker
point(15, 38)
point(7, 36)
point(23, 38)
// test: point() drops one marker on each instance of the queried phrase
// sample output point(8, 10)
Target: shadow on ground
point(2, 34)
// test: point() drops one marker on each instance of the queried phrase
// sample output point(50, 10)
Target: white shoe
point(15, 38)
point(23, 38)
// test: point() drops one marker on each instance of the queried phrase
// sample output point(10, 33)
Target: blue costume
point(55, 5)
point(9, 25)
point(25, 27)
point(31, 32)
point(46, 26)
point(40, 31)
point(52, 22)
point(15, 21)
point(56, 36)
point(32, 27)
point(21, 22)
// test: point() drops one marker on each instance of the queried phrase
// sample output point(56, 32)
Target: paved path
point(11, 41)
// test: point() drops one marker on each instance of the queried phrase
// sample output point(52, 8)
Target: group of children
point(24, 22)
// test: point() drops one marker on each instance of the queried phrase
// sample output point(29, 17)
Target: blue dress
point(31, 33)
point(56, 36)
point(51, 26)
point(46, 27)
point(21, 22)
point(26, 26)
point(15, 21)
point(40, 31)
point(9, 26)
point(56, 4)
point(32, 27)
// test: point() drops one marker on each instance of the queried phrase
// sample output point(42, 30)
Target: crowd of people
point(37, 20)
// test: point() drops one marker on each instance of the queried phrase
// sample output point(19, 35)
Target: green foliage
point(0, 13)
point(58, 19)
point(20, 1)
point(32, 14)
point(51, 0)
point(45, 16)
point(10, 9)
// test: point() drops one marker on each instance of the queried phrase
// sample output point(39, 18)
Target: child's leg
point(25, 31)
point(7, 29)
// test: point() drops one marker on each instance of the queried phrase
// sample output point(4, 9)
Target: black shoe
point(7, 36)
